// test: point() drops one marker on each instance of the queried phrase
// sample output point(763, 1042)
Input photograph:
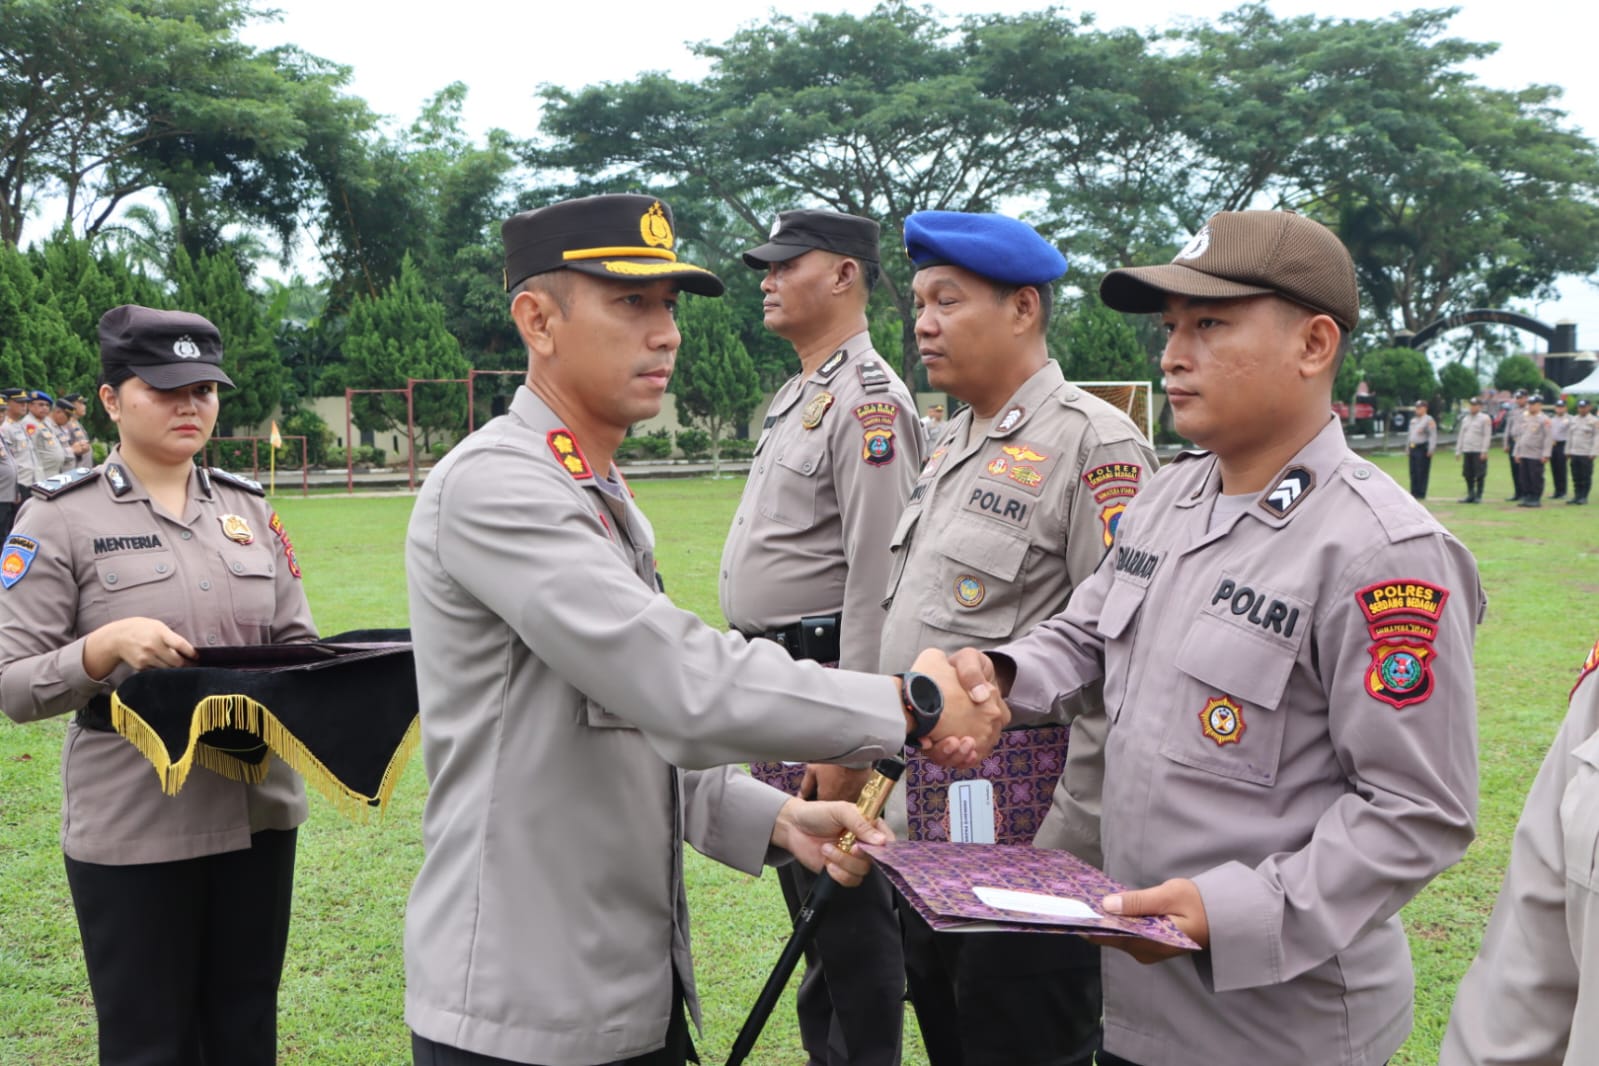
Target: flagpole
point(276, 441)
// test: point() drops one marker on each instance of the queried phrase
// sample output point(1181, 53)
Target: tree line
point(178, 162)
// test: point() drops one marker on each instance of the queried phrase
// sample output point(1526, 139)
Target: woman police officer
point(182, 902)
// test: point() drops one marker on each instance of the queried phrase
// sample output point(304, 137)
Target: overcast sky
point(403, 51)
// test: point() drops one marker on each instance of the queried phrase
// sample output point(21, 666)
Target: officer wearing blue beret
point(1015, 507)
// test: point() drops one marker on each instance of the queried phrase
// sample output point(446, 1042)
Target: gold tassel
point(242, 712)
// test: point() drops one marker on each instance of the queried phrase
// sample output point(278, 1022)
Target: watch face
point(924, 693)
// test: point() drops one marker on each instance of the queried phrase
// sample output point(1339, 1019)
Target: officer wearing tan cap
point(18, 446)
point(805, 563)
point(576, 726)
point(1581, 449)
point(1017, 505)
point(1473, 438)
point(182, 901)
point(1285, 639)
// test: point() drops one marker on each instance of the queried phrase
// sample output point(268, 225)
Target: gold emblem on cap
point(654, 228)
point(236, 529)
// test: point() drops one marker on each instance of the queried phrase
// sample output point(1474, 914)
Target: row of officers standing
point(1534, 440)
point(40, 437)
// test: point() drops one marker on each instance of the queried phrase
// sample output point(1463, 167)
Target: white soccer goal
point(1136, 398)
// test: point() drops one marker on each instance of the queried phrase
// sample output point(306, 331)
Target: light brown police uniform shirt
point(1531, 997)
point(836, 459)
point(998, 532)
point(20, 447)
point(1535, 437)
point(1475, 434)
point(576, 728)
point(1423, 430)
point(49, 457)
point(1583, 431)
point(103, 550)
point(1292, 726)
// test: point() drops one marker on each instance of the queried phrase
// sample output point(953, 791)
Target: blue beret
point(997, 247)
point(40, 394)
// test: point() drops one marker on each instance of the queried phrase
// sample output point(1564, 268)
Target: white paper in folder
point(971, 812)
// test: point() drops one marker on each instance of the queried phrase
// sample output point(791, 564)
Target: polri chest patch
point(999, 502)
point(1246, 601)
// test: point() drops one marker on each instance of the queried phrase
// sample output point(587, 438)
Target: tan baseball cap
point(1248, 253)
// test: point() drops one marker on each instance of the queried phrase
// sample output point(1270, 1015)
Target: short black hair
point(1046, 299)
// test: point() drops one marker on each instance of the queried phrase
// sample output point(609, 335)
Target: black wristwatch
point(924, 702)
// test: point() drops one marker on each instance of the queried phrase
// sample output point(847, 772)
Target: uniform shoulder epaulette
point(1189, 453)
point(873, 377)
point(254, 488)
point(1396, 511)
point(64, 482)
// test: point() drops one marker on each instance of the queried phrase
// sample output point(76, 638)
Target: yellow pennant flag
point(277, 439)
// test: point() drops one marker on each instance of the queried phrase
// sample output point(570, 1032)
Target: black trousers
point(1420, 470)
point(1581, 476)
point(1003, 999)
point(851, 1001)
point(1531, 478)
point(1474, 468)
point(8, 514)
point(1515, 476)
point(678, 1051)
point(184, 957)
point(1557, 467)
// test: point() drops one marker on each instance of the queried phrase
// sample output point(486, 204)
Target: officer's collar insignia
point(834, 361)
point(236, 529)
point(1010, 420)
point(1294, 486)
point(814, 410)
point(15, 558)
point(117, 478)
point(969, 590)
point(1222, 720)
point(654, 228)
point(569, 455)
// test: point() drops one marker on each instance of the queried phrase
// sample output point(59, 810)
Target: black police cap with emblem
point(64, 404)
point(797, 232)
point(622, 236)
point(164, 349)
point(14, 395)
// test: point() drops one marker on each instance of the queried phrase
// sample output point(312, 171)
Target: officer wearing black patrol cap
point(182, 901)
point(805, 563)
point(577, 727)
point(1017, 505)
point(1581, 449)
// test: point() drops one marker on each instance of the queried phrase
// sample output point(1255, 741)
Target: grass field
point(343, 984)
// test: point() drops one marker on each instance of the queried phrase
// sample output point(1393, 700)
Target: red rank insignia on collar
point(569, 455)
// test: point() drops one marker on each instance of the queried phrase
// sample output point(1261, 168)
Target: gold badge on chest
point(814, 410)
point(236, 529)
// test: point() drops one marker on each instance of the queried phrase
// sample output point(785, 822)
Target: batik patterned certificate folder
point(1023, 769)
point(1010, 888)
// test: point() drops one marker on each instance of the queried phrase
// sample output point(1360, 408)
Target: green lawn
point(343, 985)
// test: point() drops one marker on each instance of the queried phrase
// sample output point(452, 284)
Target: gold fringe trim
point(242, 712)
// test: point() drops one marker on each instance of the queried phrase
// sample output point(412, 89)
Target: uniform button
point(740, 519)
point(210, 638)
point(186, 535)
point(160, 568)
point(111, 579)
point(238, 568)
point(762, 469)
point(205, 586)
point(809, 466)
point(1362, 473)
point(724, 575)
